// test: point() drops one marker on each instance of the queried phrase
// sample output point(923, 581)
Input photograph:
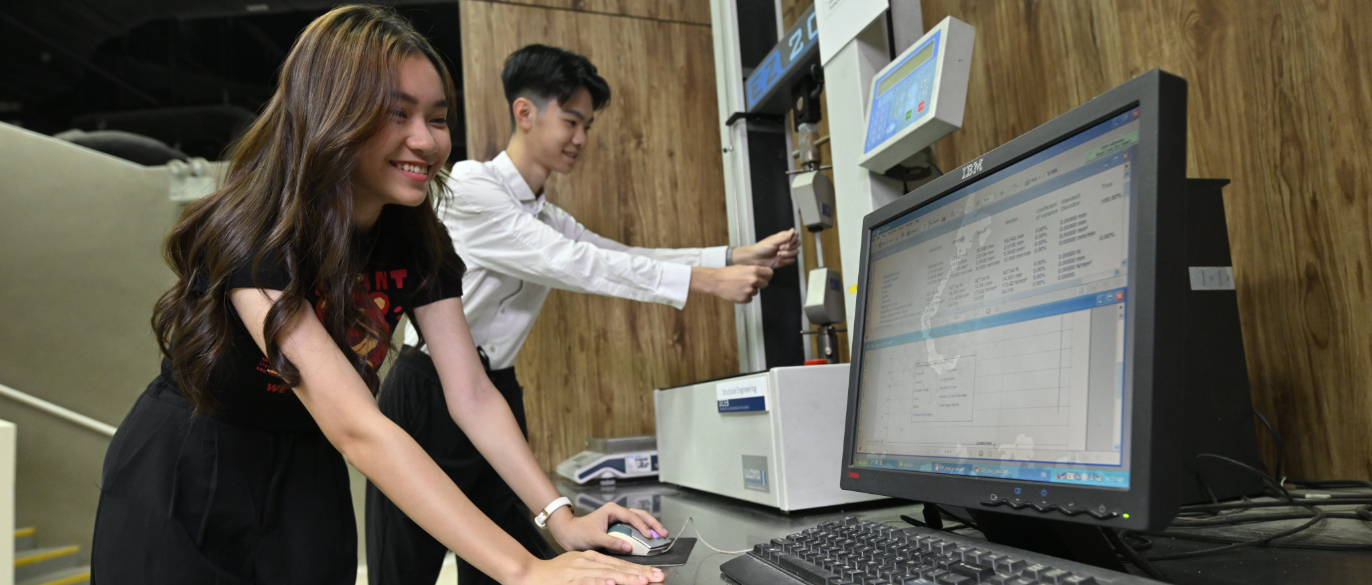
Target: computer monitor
point(1019, 338)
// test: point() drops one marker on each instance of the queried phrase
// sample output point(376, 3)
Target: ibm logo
point(972, 168)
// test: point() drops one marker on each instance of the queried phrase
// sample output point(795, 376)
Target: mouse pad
point(672, 558)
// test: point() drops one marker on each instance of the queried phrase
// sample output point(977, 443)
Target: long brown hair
point(289, 192)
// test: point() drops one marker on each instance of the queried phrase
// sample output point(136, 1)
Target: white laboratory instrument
point(612, 459)
point(773, 438)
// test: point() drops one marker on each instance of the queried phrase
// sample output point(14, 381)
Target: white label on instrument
point(1212, 278)
point(745, 395)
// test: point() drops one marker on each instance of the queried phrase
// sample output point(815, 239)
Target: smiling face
point(396, 164)
point(557, 135)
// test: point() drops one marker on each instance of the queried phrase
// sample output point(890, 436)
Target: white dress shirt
point(517, 246)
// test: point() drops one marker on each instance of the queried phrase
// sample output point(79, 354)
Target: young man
point(517, 246)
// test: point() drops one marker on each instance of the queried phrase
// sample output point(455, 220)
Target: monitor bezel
point(1154, 311)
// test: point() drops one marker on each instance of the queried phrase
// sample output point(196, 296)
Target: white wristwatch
point(542, 518)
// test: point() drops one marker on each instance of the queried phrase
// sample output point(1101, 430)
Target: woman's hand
point(589, 568)
point(592, 530)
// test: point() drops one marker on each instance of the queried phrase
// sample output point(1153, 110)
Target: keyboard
point(859, 552)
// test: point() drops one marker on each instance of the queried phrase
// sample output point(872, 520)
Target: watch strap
point(542, 518)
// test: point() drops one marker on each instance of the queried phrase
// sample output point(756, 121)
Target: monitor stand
point(1218, 407)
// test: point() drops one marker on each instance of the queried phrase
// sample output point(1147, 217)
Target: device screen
point(903, 94)
point(994, 337)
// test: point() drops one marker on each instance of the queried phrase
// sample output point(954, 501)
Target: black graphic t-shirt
point(251, 394)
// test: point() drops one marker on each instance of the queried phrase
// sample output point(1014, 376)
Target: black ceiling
point(188, 72)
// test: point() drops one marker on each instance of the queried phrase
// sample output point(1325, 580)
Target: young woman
point(230, 467)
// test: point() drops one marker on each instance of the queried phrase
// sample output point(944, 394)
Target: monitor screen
point(993, 341)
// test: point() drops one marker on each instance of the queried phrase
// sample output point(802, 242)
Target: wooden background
point(652, 176)
point(1279, 100)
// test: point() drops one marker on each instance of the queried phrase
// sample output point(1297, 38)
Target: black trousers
point(192, 500)
point(399, 552)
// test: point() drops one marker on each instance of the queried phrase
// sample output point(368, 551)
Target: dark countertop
point(725, 523)
point(730, 524)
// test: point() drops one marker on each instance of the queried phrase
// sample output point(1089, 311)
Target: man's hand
point(779, 249)
point(736, 284)
point(592, 530)
point(588, 568)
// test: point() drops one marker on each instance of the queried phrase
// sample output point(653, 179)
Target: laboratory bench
point(731, 525)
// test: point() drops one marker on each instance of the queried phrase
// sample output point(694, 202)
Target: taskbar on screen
point(1075, 476)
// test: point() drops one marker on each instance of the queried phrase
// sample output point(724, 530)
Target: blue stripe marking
point(751, 404)
point(1071, 305)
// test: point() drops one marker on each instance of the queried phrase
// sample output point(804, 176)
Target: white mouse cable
point(690, 521)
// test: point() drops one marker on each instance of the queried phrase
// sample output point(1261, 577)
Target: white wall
point(80, 237)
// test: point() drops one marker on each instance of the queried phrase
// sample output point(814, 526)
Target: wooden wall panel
point(652, 176)
point(1279, 103)
point(682, 11)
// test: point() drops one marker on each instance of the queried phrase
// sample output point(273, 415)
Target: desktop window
point(994, 335)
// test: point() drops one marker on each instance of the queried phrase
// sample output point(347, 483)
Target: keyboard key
point(806, 570)
point(1054, 576)
point(955, 579)
point(1010, 566)
point(975, 571)
point(1079, 580)
point(1033, 571)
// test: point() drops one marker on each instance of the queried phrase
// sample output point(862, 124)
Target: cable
point(1318, 517)
point(1249, 519)
point(1134, 557)
point(690, 521)
point(1266, 479)
point(1332, 501)
point(1285, 545)
point(1330, 484)
point(1142, 543)
point(1275, 439)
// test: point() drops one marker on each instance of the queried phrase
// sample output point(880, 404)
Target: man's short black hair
point(540, 73)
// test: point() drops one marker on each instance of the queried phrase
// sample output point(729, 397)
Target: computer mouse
point(644, 546)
